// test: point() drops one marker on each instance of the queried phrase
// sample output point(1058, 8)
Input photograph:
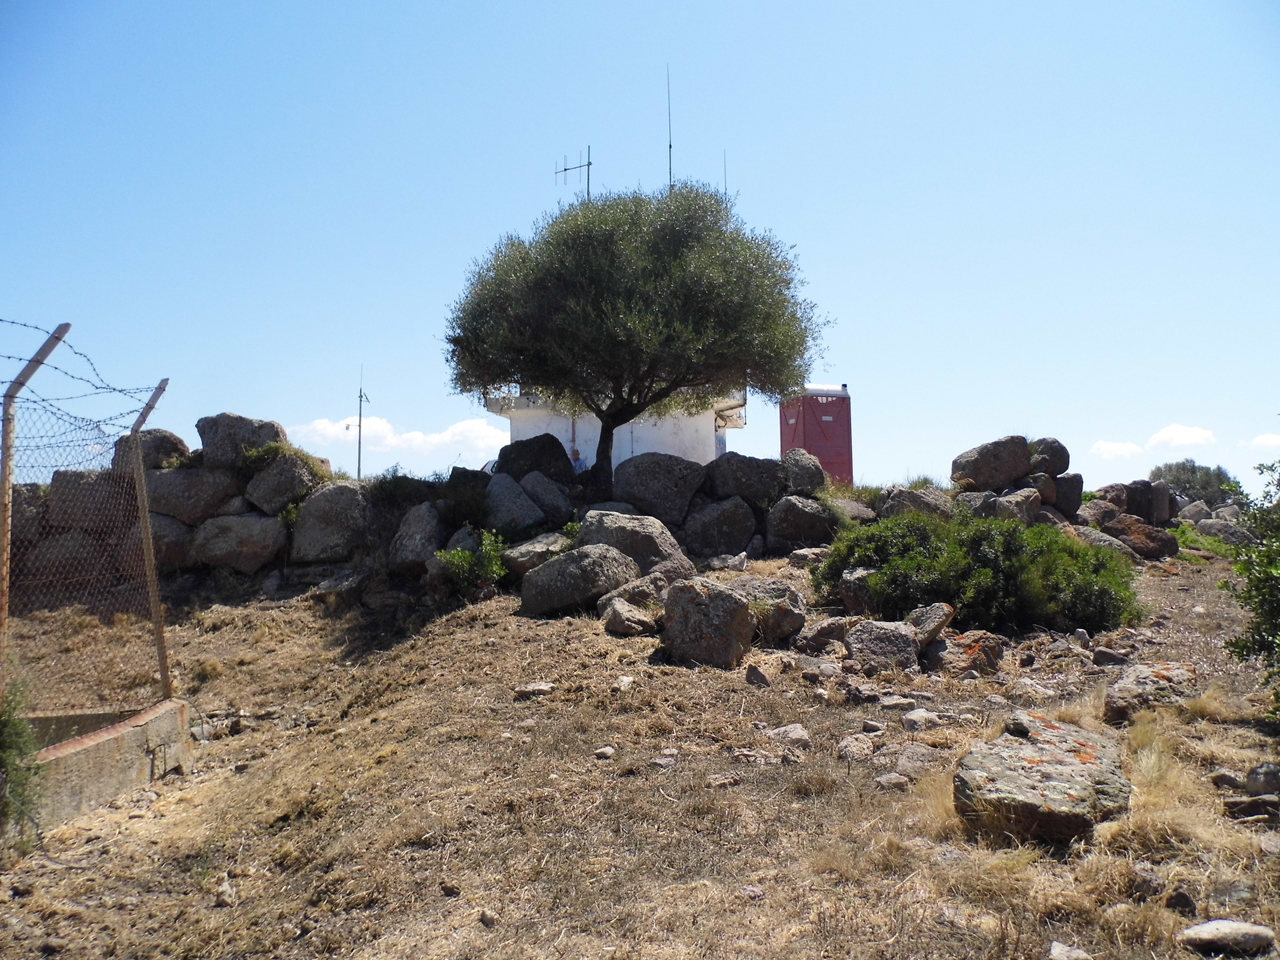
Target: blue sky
point(1050, 219)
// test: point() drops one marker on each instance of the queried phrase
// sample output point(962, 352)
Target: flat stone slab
point(1144, 685)
point(1228, 937)
point(1042, 780)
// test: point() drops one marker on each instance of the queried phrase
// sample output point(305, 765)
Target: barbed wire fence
point(81, 625)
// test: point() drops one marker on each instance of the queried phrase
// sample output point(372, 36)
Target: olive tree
point(634, 303)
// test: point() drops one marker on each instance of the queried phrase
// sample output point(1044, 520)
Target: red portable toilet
point(820, 421)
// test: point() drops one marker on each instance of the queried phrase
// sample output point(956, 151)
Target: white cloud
point(1266, 440)
point(1176, 435)
point(472, 440)
point(1111, 450)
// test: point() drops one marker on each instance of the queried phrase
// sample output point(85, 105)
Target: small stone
point(1262, 779)
point(895, 702)
point(971, 675)
point(1226, 779)
point(1106, 657)
point(663, 763)
point(1061, 951)
point(757, 677)
point(488, 918)
point(918, 720)
point(1227, 937)
point(872, 726)
point(856, 748)
point(792, 735)
point(752, 892)
point(623, 684)
point(450, 888)
point(893, 781)
point(530, 691)
point(605, 753)
point(1181, 902)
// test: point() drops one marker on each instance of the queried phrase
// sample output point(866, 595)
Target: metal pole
point(671, 180)
point(148, 547)
point(8, 433)
point(360, 425)
point(588, 173)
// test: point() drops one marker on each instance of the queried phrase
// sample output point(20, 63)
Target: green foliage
point(632, 303)
point(1088, 496)
point(400, 491)
point(289, 515)
point(183, 461)
point(571, 529)
point(1189, 537)
point(996, 573)
point(472, 572)
point(257, 459)
point(1192, 480)
point(1259, 567)
point(18, 770)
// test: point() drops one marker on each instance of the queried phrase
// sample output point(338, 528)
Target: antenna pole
point(360, 425)
point(581, 166)
point(726, 174)
point(588, 173)
point(670, 178)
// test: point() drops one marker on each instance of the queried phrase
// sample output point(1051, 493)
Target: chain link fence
point(81, 628)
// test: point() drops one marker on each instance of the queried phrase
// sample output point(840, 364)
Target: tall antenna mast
point(671, 182)
point(726, 174)
point(363, 399)
point(581, 166)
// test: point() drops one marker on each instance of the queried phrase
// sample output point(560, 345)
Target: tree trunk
point(602, 470)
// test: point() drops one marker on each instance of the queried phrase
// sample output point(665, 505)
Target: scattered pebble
point(1228, 936)
point(450, 888)
point(893, 781)
point(623, 684)
point(872, 726)
point(488, 918)
point(1061, 951)
point(757, 677)
point(792, 735)
point(529, 691)
point(605, 753)
point(752, 892)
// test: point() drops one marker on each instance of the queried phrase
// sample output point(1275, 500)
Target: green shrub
point(183, 461)
point(1259, 567)
point(400, 491)
point(1189, 537)
point(571, 529)
point(1195, 481)
point(472, 572)
point(257, 459)
point(998, 574)
point(18, 769)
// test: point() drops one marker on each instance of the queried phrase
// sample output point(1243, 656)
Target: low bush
point(18, 769)
point(472, 572)
point(257, 459)
point(1259, 568)
point(1188, 537)
point(998, 574)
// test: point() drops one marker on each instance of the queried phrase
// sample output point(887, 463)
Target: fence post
point(7, 441)
point(148, 547)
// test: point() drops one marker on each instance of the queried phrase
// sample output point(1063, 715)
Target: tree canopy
point(1195, 481)
point(633, 303)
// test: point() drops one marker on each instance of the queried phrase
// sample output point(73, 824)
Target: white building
point(700, 437)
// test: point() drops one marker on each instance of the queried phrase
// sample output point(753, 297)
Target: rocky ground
point(501, 786)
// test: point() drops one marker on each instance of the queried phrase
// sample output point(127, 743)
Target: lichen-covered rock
point(816, 637)
point(191, 495)
point(549, 496)
point(1097, 512)
point(899, 643)
point(544, 454)
point(171, 541)
point(796, 522)
point(991, 466)
point(658, 484)
point(227, 437)
point(1226, 531)
point(976, 650)
point(721, 528)
point(531, 554)
point(575, 579)
point(1041, 780)
point(1144, 685)
point(705, 622)
point(644, 539)
point(332, 522)
point(897, 500)
point(625, 620)
point(777, 606)
point(286, 479)
point(1195, 512)
point(981, 503)
point(758, 481)
point(855, 590)
point(855, 511)
point(244, 543)
point(1116, 494)
point(804, 473)
point(1146, 541)
point(1021, 505)
point(157, 447)
point(417, 540)
point(511, 512)
point(641, 592)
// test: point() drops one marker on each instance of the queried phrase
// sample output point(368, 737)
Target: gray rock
point(1262, 779)
point(920, 720)
point(757, 677)
point(1106, 657)
point(930, 621)
point(992, 465)
point(608, 506)
point(645, 591)
point(575, 579)
point(548, 495)
point(511, 512)
point(897, 500)
point(898, 643)
point(1042, 483)
point(532, 691)
point(544, 454)
point(332, 522)
point(705, 622)
point(1161, 503)
point(1138, 500)
point(531, 554)
point(816, 637)
point(1144, 685)
point(796, 522)
point(854, 511)
point(892, 781)
point(288, 478)
point(1230, 513)
point(855, 590)
point(804, 473)
point(1146, 541)
point(726, 562)
point(95, 501)
point(1098, 512)
point(1070, 487)
point(157, 447)
point(791, 735)
point(977, 651)
point(1048, 517)
point(1226, 531)
point(64, 558)
point(1049, 456)
point(171, 540)
point(1041, 781)
point(1195, 512)
point(658, 484)
point(417, 539)
point(721, 528)
point(192, 496)
point(1228, 937)
point(777, 606)
point(1021, 505)
point(235, 507)
point(29, 501)
point(856, 748)
point(227, 437)
point(1061, 951)
point(807, 556)
point(624, 620)
point(464, 538)
point(1096, 538)
point(917, 759)
point(245, 543)
point(757, 481)
point(982, 503)
point(644, 539)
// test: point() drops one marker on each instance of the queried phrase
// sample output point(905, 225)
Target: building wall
point(691, 437)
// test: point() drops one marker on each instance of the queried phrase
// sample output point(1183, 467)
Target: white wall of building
point(691, 437)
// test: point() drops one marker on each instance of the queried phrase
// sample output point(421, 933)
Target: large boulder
point(1161, 503)
point(286, 479)
point(899, 643)
point(853, 511)
point(171, 541)
point(1096, 538)
point(157, 447)
point(511, 512)
point(1116, 493)
point(1097, 512)
point(1226, 531)
point(416, 541)
point(855, 590)
point(1041, 781)
point(895, 500)
point(758, 481)
point(61, 559)
point(1049, 456)
point(1040, 482)
point(777, 606)
point(796, 522)
point(227, 437)
point(644, 539)
point(647, 591)
point(543, 453)
point(992, 465)
point(1146, 541)
point(549, 497)
point(1145, 685)
point(805, 476)
point(531, 554)
point(96, 501)
point(981, 503)
point(1070, 487)
point(721, 528)
point(29, 501)
point(705, 622)
point(243, 543)
point(1138, 500)
point(622, 619)
point(1021, 505)
point(1195, 512)
point(575, 579)
point(659, 484)
point(192, 496)
point(332, 522)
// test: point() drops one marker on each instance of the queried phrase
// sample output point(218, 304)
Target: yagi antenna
point(566, 169)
